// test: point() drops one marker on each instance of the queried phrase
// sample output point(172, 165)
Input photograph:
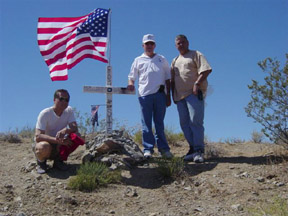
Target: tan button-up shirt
point(185, 70)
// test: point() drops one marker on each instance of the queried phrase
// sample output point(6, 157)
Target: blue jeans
point(153, 107)
point(191, 115)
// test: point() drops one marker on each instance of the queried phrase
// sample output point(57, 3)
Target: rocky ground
point(241, 177)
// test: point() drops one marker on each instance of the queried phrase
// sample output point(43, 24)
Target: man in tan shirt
point(189, 72)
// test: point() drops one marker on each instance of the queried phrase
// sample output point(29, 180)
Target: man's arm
point(203, 76)
point(168, 97)
point(41, 136)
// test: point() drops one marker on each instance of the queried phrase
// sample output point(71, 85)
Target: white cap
point(147, 38)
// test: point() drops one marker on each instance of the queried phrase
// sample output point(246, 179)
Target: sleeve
point(71, 117)
point(41, 121)
point(202, 63)
point(133, 75)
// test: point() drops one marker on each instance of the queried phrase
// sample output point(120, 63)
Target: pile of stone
point(116, 150)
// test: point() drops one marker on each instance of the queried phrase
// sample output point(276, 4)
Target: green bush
point(172, 137)
point(278, 207)
point(170, 168)
point(93, 175)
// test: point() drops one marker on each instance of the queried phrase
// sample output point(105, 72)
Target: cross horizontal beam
point(107, 90)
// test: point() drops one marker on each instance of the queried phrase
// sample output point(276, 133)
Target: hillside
point(241, 178)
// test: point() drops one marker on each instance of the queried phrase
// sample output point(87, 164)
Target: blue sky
point(233, 35)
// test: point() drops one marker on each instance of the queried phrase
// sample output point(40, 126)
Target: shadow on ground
point(55, 173)
point(259, 160)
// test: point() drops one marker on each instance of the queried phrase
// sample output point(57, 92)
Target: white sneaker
point(189, 156)
point(198, 157)
point(147, 155)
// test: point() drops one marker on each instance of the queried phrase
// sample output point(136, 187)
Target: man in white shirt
point(53, 127)
point(153, 74)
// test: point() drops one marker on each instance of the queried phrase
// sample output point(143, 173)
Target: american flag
point(64, 42)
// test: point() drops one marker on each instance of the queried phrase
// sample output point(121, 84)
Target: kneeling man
point(56, 133)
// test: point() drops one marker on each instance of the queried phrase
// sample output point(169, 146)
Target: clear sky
point(233, 35)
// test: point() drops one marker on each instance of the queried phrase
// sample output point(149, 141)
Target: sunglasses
point(149, 43)
point(63, 99)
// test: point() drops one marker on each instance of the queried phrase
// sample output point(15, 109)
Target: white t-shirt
point(150, 72)
point(51, 123)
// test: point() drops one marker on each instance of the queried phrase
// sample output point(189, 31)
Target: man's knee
point(43, 150)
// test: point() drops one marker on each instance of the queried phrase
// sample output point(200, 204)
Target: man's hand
point(60, 134)
point(65, 140)
point(168, 100)
point(130, 87)
point(195, 89)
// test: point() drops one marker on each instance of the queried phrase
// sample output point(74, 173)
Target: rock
point(115, 150)
point(260, 179)
point(30, 165)
point(111, 212)
point(130, 192)
point(198, 209)
point(237, 207)
point(188, 188)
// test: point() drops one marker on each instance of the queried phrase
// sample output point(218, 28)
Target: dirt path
point(245, 177)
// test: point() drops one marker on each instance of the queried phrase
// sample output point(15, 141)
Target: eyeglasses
point(149, 43)
point(63, 99)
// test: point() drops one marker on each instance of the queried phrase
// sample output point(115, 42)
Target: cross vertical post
point(109, 118)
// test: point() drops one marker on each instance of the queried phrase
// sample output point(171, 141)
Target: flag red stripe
point(59, 78)
point(60, 19)
point(59, 67)
point(56, 58)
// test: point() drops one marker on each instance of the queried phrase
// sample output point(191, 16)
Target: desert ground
point(238, 179)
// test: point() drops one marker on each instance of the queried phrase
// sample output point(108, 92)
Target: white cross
point(108, 90)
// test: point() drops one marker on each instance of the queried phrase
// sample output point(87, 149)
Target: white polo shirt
point(150, 72)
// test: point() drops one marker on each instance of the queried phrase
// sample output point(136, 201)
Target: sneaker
point(42, 167)
point(189, 156)
point(147, 154)
point(166, 154)
point(198, 157)
point(59, 164)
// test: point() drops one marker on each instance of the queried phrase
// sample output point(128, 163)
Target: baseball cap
point(148, 38)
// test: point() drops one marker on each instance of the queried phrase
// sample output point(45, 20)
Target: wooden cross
point(108, 90)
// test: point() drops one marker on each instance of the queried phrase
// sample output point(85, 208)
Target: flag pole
point(109, 37)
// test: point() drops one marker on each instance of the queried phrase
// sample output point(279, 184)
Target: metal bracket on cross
point(108, 90)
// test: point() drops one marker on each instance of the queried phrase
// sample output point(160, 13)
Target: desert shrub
point(170, 168)
point(278, 207)
point(137, 137)
point(91, 176)
point(10, 137)
point(257, 137)
point(269, 104)
point(27, 132)
point(211, 151)
point(233, 140)
point(172, 137)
